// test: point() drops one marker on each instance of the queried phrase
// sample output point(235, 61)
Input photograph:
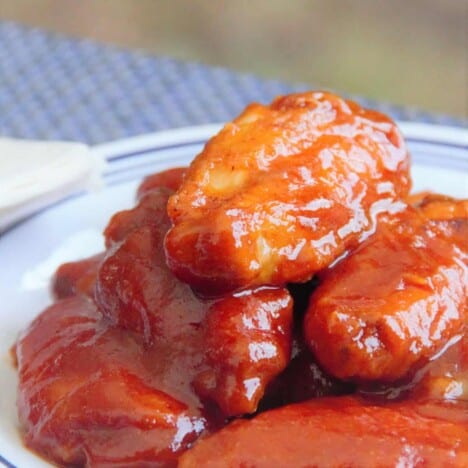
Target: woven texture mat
point(52, 87)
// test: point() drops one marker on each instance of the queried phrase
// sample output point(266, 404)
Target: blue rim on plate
point(439, 148)
point(132, 158)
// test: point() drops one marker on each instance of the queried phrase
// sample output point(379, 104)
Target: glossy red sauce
point(130, 367)
point(340, 431)
point(243, 338)
point(283, 191)
point(392, 304)
point(147, 365)
point(89, 392)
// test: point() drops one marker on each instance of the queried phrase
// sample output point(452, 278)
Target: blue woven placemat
point(53, 87)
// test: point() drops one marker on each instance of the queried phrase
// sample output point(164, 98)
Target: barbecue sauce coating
point(89, 393)
point(79, 277)
point(130, 367)
point(243, 339)
point(138, 375)
point(338, 432)
point(392, 304)
point(284, 190)
point(247, 344)
point(150, 211)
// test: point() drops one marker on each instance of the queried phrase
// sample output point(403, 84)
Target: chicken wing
point(88, 393)
point(337, 432)
point(79, 277)
point(284, 190)
point(242, 340)
point(247, 344)
point(393, 303)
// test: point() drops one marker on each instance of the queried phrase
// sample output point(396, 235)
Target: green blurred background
point(412, 52)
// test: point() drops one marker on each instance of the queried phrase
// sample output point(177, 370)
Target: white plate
point(69, 230)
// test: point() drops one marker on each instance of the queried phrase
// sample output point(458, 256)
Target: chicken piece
point(89, 394)
point(247, 344)
point(171, 179)
point(150, 210)
point(137, 291)
point(79, 277)
point(283, 191)
point(74, 278)
point(96, 393)
point(337, 432)
point(392, 304)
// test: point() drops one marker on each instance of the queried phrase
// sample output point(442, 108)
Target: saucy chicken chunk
point(287, 264)
point(247, 344)
point(79, 277)
point(242, 339)
point(88, 393)
point(393, 303)
point(243, 342)
point(150, 211)
point(284, 190)
point(149, 360)
point(338, 432)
